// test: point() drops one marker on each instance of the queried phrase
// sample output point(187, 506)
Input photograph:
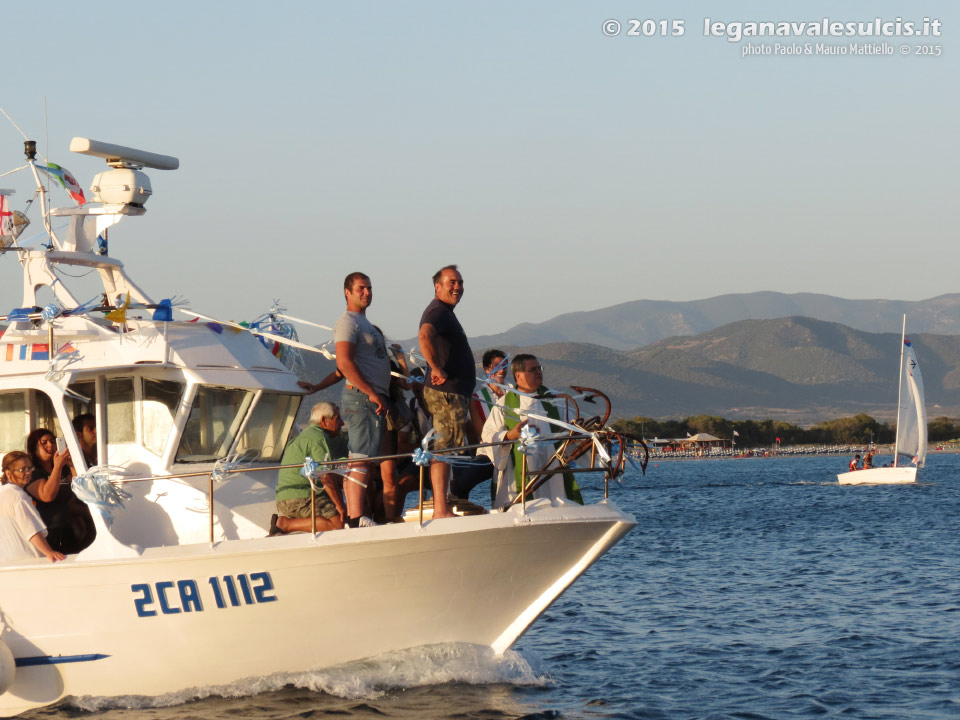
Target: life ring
point(8, 667)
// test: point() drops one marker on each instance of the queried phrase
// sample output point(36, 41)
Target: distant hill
point(641, 322)
point(797, 369)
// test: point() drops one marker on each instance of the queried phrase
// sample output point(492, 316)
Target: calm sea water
point(750, 589)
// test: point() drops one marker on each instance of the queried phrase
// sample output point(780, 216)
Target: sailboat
point(910, 450)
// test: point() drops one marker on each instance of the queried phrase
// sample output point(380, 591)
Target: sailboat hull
point(879, 476)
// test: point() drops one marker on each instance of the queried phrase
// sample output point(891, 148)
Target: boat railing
point(611, 464)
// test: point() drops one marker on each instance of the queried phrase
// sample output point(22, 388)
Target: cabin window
point(21, 412)
point(213, 424)
point(81, 401)
point(121, 411)
point(160, 401)
point(13, 421)
point(265, 434)
point(45, 414)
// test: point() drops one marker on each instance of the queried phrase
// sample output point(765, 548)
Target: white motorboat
point(910, 449)
point(181, 587)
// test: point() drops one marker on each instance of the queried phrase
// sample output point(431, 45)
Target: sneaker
point(367, 522)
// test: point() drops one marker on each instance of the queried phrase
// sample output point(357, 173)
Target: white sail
point(912, 413)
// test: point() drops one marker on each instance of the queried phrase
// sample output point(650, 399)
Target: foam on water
point(366, 679)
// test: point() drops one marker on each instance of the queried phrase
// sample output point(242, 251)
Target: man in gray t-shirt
point(363, 362)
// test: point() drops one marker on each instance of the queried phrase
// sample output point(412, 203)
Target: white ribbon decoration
point(601, 450)
point(95, 488)
point(528, 440)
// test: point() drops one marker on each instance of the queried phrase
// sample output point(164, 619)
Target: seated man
point(323, 440)
point(508, 418)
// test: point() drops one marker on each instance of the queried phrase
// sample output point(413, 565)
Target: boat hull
point(879, 476)
point(199, 616)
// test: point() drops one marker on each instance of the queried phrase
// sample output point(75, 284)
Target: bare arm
point(331, 379)
point(46, 490)
point(41, 544)
point(401, 359)
point(348, 368)
point(428, 338)
point(402, 364)
point(331, 483)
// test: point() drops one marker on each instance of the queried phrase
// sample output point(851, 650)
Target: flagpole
point(30, 150)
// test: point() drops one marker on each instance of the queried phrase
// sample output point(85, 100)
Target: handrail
point(341, 461)
point(537, 477)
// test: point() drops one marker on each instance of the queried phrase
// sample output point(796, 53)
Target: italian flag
point(66, 180)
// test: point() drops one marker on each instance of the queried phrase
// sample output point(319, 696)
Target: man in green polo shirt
point(323, 440)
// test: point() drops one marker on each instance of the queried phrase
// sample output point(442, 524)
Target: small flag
point(119, 315)
point(6, 217)
point(20, 314)
point(66, 179)
point(164, 311)
point(736, 434)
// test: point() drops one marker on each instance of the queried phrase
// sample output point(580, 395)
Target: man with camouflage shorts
point(449, 384)
point(323, 440)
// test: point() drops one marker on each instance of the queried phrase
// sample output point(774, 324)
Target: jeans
point(365, 427)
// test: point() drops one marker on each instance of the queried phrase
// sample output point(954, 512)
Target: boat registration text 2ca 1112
point(169, 597)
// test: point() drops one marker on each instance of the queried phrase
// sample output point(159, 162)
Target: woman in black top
point(69, 523)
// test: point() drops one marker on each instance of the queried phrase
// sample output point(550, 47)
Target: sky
point(562, 168)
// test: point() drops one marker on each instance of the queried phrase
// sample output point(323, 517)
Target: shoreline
point(793, 452)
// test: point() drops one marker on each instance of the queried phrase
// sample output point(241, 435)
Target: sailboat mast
point(896, 442)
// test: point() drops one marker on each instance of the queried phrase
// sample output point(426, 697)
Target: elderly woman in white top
point(22, 532)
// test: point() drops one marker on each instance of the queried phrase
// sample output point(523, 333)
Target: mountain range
point(641, 322)
point(796, 369)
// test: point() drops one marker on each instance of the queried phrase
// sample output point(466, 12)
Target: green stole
point(486, 399)
point(512, 401)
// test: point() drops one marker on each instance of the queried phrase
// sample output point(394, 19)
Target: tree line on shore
point(762, 433)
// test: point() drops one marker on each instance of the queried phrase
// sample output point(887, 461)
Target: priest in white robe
point(507, 420)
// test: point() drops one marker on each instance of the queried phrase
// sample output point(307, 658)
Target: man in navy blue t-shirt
point(449, 384)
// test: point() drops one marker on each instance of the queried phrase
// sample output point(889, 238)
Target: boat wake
point(366, 679)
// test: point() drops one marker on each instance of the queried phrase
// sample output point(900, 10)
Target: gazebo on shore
point(700, 441)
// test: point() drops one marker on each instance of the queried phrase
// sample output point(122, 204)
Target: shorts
point(300, 507)
point(365, 427)
point(449, 412)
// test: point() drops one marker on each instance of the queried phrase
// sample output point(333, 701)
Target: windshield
point(213, 423)
point(264, 437)
point(217, 417)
